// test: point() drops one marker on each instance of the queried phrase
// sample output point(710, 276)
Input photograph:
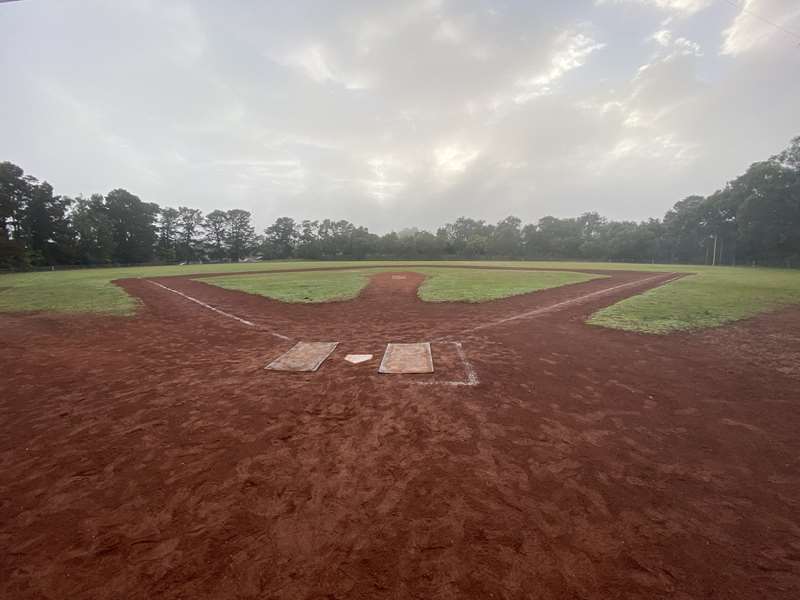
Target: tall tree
point(307, 240)
point(14, 191)
point(133, 223)
point(216, 227)
point(45, 228)
point(769, 214)
point(189, 228)
point(506, 238)
point(93, 230)
point(279, 238)
point(685, 231)
point(241, 235)
point(167, 246)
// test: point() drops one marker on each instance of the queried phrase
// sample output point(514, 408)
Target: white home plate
point(357, 359)
point(407, 358)
point(304, 356)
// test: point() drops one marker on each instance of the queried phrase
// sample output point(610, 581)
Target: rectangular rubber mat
point(304, 356)
point(407, 358)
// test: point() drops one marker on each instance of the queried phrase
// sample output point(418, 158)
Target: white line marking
point(216, 310)
point(546, 309)
point(471, 376)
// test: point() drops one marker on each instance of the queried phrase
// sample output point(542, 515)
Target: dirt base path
point(154, 457)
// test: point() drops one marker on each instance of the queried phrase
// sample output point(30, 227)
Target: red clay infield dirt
point(155, 457)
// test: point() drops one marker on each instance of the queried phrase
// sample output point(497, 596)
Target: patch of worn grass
point(315, 286)
point(473, 285)
point(711, 297)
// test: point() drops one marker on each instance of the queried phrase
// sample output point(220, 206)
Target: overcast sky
point(398, 113)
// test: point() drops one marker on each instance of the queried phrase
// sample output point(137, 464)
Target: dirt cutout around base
point(304, 356)
point(407, 358)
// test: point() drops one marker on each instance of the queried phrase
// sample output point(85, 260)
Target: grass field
point(91, 290)
point(319, 286)
point(710, 296)
point(441, 285)
point(471, 285)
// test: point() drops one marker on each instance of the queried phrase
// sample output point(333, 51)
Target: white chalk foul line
point(216, 310)
point(546, 309)
point(471, 378)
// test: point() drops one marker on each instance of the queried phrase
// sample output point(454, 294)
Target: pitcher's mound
point(407, 358)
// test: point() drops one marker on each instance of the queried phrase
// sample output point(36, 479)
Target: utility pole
point(714, 258)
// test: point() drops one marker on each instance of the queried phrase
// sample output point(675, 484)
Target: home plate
point(407, 358)
point(304, 356)
point(357, 359)
point(398, 276)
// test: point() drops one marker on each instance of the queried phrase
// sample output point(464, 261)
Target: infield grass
point(708, 297)
point(91, 290)
point(315, 286)
point(474, 285)
point(441, 285)
point(714, 296)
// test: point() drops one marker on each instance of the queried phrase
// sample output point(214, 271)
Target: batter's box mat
point(407, 358)
point(304, 356)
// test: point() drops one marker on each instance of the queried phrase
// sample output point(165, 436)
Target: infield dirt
point(155, 457)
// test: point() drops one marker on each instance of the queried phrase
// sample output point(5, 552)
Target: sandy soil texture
point(155, 457)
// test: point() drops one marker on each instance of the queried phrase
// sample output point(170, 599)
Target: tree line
point(754, 219)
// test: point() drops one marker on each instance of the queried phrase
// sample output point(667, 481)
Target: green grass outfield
point(441, 285)
point(713, 296)
point(709, 297)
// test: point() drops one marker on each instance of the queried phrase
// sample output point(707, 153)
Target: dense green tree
point(465, 237)
point(307, 240)
point(168, 223)
point(216, 227)
point(506, 238)
point(553, 238)
point(280, 238)
point(684, 230)
point(753, 218)
point(768, 217)
point(94, 231)
point(133, 224)
point(14, 190)
point(190, 234)
point(44, 227)
point(240, 234)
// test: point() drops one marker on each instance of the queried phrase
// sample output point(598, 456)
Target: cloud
point(760, 21)
point(392, 114)
point(572, 51)
point(683, 7)
point(671, 46)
